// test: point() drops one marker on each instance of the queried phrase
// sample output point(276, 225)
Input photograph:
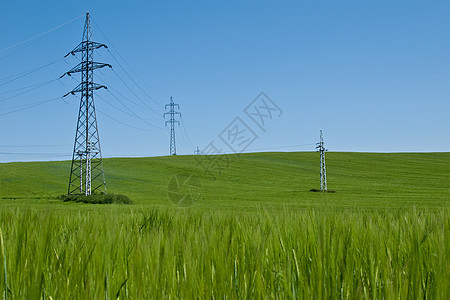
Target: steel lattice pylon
point(172, 121)
point(86, 174)
point(323, 170)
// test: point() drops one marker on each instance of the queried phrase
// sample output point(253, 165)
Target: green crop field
point(247, 228)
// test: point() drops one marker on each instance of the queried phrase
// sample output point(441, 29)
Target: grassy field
point(254, 231)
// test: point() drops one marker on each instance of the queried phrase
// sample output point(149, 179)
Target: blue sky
point(373, 75)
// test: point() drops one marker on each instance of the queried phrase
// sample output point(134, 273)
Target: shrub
point(319, 191)
point(98, 199)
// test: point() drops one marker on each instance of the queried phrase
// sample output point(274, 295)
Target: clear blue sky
point(373, 75)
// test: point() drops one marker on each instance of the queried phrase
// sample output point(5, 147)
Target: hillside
point(255, 231)
point(271, 180)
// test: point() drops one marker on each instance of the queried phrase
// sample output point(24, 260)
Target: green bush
point(98, 199)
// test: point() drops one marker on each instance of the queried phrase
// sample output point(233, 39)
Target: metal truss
point(86, 173)
point(172, 113)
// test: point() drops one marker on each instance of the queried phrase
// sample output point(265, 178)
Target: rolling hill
point(249, 181)
point(253, 229)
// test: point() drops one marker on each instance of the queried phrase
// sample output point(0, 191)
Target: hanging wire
point(129, 76)
point(131, 90)
point(121, 95)
point(31, 146)
point(123, 123)
point(120, 65)
point(185, 131)
point(188, 149)
point(273, 148)
point(110, 104)
point(29, 90)
point(132, 112)
point(25, 73)
point(41, 34)
point(26, 87)
point(30, 106)
point(33, 154)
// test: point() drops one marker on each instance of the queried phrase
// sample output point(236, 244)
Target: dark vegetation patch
point(319, 191)
point(26, 197)
point(98, 199)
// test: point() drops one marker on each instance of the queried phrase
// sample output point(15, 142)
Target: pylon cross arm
point(86, 46)
point(83, 66)
point(81, 88)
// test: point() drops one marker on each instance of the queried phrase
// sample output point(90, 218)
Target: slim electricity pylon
point(86, 173)
point(172, 113)
point(323, 170)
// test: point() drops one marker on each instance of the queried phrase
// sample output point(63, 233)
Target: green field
point(254, 231)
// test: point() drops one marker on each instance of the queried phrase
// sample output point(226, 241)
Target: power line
point(29, 90)
point(131, 78)
point(116, 91)
point(31, 146)
point(274, 148)
point(25, 73)
point(40, 34)
point(185, 144)
point(24, 88)
point(137, 75)
point(137, 155)
point(23, 105)
point(183, 125)
point(123, 123)
point(33, 154)
point(131, 111)
point(131, 90)
point(293, 146)
point(135, 83)
point(118, 108)
point(30, 106)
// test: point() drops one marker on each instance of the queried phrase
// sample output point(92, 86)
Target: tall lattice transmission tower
point(172, 113)
point(323, 170)
point(86, 173)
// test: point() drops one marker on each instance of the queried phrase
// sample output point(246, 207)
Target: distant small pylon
point(172, 114)
point(197, 152)
point(323, 171)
